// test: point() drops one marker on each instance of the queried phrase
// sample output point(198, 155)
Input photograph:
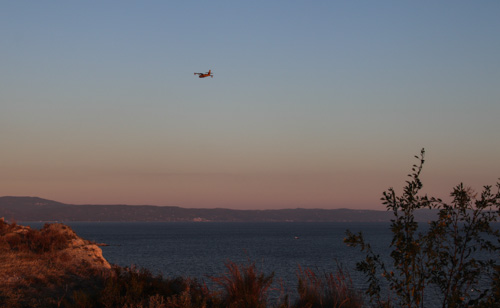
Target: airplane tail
point(209, 72)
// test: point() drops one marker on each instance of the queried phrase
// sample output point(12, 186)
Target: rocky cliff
point(45, 265)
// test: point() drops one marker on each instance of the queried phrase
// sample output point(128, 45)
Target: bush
point(329, 290)
point(51, 237)
point(47, 239)
point(132, 287)
point(444, 257)
point(243, 286)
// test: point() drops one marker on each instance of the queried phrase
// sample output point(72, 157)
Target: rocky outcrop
point(54, 238)
point(41, 268)
point(80, 249)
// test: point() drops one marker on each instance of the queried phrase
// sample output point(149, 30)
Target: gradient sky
point(314, 104)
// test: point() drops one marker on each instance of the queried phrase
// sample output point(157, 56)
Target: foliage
point(49, 238)
point(243, 286)
point(443, 255)
point(328, 290)
point(132, 287)
point(52, 237)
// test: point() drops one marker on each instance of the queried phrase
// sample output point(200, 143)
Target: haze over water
point(313, 104)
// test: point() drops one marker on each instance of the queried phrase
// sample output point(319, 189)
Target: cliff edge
point(46, 264)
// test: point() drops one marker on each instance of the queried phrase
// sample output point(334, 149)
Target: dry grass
point(244, 286)
point(32, 280)
point(328, 290)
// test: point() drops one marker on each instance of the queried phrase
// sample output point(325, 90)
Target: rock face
point(79, 249)
point(39, 268)
point(56, 238)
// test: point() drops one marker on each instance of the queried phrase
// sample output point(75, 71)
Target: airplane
point(201, 75)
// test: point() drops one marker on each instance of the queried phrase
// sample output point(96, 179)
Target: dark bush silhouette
point(444, 256)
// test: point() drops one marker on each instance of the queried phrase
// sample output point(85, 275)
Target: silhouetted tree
point(444, 255)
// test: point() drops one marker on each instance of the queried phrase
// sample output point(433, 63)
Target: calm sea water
point(200, 250)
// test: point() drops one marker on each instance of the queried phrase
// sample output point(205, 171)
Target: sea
point(201, 249)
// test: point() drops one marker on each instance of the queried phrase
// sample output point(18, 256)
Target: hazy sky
point(314, 104)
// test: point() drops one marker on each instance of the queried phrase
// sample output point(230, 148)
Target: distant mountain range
point(38, 209)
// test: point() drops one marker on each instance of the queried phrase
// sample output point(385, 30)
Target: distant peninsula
point(38, 209)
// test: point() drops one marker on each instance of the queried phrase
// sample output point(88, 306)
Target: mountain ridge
point(39, 209)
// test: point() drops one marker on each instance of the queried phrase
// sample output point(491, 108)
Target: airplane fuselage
point(208, 74)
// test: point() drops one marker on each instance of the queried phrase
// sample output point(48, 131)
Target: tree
point(450, 254)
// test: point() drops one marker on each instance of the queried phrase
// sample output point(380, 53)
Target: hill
point(38, 268)
point(38, 209)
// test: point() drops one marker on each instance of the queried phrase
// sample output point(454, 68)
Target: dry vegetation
point(327, 290)
point(39, 268)
point(53, 267)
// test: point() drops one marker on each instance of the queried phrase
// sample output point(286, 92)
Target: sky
point(313, 104)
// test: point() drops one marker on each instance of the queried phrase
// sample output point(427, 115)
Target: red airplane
point(201, 75)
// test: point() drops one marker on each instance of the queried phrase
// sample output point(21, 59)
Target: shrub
point(134, 287)
point(328, 290)
point(3, 226)
point(47, 239)
point(51, 237)
point(81, 299)
point(444, 257)
point(14, 240)
point(243, 286)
